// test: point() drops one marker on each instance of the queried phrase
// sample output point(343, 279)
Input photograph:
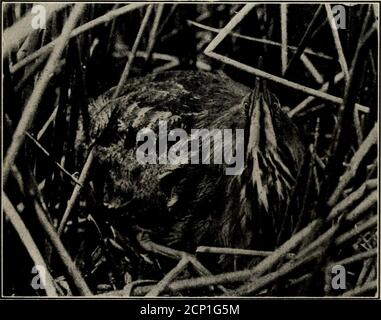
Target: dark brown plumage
point(184, 206)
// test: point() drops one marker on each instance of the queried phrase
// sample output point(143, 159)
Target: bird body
point(187, 205)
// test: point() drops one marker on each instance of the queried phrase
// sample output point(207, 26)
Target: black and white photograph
point(179, 149)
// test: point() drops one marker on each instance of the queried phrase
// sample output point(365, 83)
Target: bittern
point(183, 206)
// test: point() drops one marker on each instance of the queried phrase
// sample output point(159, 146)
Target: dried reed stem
point(282, 81)
point(308, 100)
point(74, 196)
point(236, 251)
point(229, 27)
point(284, 36)
point(259, 40)
point(132, 53)
point(336, 38)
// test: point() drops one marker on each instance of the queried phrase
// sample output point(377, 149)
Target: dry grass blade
point(29, 243)
point(34, 100)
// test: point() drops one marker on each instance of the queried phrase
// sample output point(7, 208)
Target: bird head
point(273, 154)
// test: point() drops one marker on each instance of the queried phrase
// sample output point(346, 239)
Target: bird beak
point(260, 117)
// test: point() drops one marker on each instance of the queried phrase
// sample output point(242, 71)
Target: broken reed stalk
point(29, 244)
point(39, 89)
point(83, 28)
point(132, 53)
